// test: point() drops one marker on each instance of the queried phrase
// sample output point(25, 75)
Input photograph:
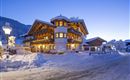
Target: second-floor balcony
point(74, 31)
point(28, 39)
point(74, 40)
point(37, 41)
point(43, 31)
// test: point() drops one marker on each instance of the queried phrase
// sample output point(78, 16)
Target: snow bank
point(69, 61)
point(77, 61)
point(21, 61)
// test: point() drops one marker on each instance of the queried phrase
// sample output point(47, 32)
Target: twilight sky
point(108, 19)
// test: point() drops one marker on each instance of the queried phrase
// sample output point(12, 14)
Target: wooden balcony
point(40, 41)
point(28, 40)
point(43, 31)
point(74, 41)
point(74, 31)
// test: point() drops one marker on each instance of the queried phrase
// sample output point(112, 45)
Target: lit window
point(61, 35)
point(56, 35)
point(57, 23)
point(64, 35)
point(61, 23)
point(65, 24)
point(53, 46)
point(72, 46)
point(46, 37)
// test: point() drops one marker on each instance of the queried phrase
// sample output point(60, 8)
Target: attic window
point(61, 23)
point(56, 23)
point(61, 35)
point(65, 24)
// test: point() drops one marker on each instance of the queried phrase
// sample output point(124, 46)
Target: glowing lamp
point(43, 46)
point(7, 29)
point(0, 43)
point(72, 45)
point(11, 41)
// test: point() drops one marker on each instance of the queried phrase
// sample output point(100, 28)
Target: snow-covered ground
point(34, 66)
point(21, 61)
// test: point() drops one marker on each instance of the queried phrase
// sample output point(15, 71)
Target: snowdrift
point(69, 61)
point(21, 61)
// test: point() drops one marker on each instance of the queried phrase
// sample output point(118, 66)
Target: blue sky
point(108, 19)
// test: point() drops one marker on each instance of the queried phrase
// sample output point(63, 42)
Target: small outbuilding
point(94, 44)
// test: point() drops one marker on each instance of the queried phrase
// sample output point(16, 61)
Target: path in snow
point(114, 70)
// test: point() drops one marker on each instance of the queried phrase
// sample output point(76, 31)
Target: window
point(65, 24)
point(46, 37)
point(61, 23)
point(56, 35)
point(64, 35)
point(61, 35)
point(56, 23)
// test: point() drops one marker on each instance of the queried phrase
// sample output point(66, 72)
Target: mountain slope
point(17, 27)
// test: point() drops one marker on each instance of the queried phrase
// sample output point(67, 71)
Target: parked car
point(128, 48)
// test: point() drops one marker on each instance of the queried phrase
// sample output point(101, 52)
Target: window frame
point(60, 23)
point(58, 35)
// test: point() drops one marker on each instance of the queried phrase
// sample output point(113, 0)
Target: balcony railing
point(74, 40)
point(43, 31)
point(74, 31)
point(28, 39)
point(43, 41)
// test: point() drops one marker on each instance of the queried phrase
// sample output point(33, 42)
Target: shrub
point(61, 52)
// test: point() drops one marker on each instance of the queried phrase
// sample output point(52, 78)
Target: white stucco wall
point(60, 43)
point(61, 29)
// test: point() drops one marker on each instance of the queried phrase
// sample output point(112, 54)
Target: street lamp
point(7, 29)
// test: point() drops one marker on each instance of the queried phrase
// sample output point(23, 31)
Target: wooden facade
point(42, 35)
point(93, 43)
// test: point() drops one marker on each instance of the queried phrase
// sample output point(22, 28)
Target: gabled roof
point(77, 20)
point(83, 23)
point(44, 22)
point(60, 17)
point(39, 21)
point(95, 38)
point(73, 19)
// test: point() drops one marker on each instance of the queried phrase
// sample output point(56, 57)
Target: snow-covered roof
point(128, 40)
point(84, 41)
point(44, 22)
point(36, 21)
point(92, 39)
point(60, 17)
point(75, 19)
point(24, 35)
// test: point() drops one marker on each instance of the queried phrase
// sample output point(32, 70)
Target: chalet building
point(93, 44)
point(60, 34)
